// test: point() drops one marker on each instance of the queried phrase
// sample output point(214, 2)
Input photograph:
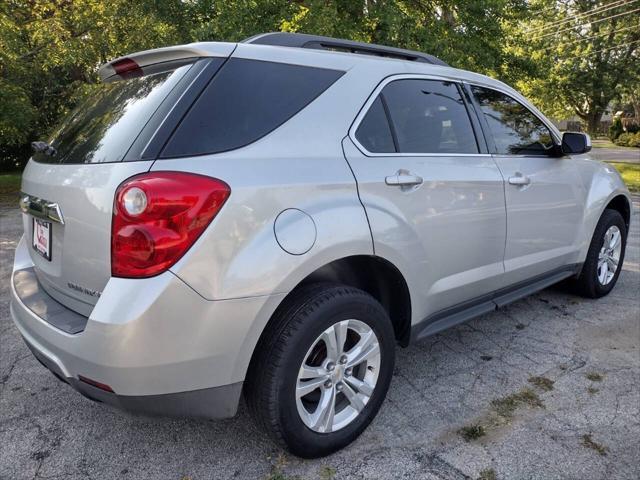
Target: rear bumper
point(215, 402)
point(156, 343)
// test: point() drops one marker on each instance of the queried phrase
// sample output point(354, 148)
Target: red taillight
point(156, 218)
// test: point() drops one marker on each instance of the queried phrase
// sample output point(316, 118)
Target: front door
point(543, 191)
point(433, 195)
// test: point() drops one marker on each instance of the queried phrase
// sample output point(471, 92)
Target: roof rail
point(317, 42)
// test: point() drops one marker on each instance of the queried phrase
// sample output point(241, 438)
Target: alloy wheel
point(338, 376)
point(609, 256)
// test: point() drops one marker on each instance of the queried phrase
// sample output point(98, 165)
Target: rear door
point(433, 195)
point(68, 192)
point(543, 191)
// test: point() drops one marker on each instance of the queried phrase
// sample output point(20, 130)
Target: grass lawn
point(603, 143)
point(10, 183)
point(630, 174)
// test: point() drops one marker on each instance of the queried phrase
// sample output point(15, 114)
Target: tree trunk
point(593, 121)
point(635, 102)
point(448, 15)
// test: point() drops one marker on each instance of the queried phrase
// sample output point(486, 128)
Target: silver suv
point(270, 218)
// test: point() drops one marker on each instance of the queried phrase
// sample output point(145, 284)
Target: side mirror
point(575, 143)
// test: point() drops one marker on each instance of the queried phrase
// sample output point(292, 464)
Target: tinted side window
point(374, 132)
point(429, 116)
point(246, 100)
point(515, 129)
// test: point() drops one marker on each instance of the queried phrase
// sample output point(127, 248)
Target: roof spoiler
point(134, 64)
point(317, 42)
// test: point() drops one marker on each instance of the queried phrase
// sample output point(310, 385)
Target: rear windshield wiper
point(44, 147)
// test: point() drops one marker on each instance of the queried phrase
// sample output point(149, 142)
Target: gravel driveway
point(548, 387)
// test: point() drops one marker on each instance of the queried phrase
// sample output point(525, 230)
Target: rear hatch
point(68, 187)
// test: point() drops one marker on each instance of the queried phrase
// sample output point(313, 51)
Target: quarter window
point(244, 101)
point(515, 129)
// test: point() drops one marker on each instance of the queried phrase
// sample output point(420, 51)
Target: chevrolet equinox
point(269, 218)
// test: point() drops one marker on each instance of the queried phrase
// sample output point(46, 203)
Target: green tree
point(586, 54)
point(50, 49)
point(466, 33)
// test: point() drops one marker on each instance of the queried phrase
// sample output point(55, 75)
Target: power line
point(602, 34)
point(583, 15)
point(625, 44)
point(587, 13)
point(599, 51)
point(587, 23)
point(583, 24)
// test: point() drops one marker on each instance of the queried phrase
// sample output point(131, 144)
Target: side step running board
point(457, 314)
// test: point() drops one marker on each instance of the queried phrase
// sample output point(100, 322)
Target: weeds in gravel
point(588, 442)
point(327, 473)
point(472, 432)
point(543, 383)
point(488, 474)
point(278, 475)
point(276, 469)
point(506, 406)
point(594, 376)
point(593, 390)
point(503, 410)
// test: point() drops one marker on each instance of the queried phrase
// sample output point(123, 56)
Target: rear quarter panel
point(239, 256)
point(300, 165)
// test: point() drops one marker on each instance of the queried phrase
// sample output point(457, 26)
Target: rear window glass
point(246, 100)
point(103, 128)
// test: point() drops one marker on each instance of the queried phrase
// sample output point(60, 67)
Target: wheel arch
point(379, 278)
point(622, 205)
point(370, 273)
point(605, 189)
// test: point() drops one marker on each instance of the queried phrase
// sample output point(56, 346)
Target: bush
point(615, 130)
point(623, 139)
point(14, 158)
point(628, 140)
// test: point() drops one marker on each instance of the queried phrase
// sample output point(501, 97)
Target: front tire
point(321, 369)
point(604, 260)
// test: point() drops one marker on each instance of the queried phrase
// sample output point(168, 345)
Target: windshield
point(104, 127)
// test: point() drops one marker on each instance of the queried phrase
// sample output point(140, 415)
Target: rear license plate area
point(42, 237)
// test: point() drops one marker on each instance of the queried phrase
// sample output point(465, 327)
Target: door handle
point(519, 179)
point(403, 178)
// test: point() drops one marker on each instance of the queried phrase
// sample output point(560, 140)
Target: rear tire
point(302, 334)
point(603, 264)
